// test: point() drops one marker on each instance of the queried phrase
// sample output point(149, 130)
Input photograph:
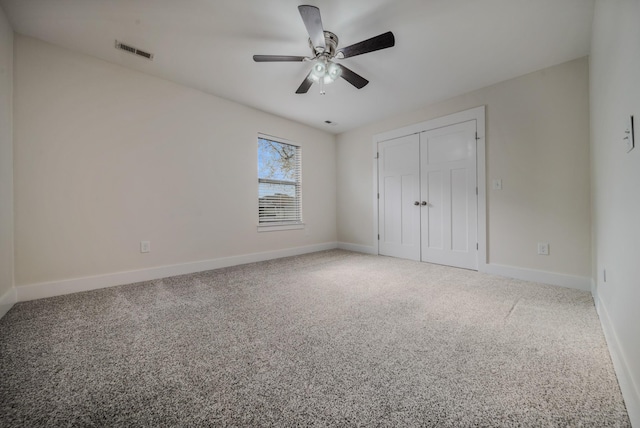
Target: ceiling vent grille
point(134, 50)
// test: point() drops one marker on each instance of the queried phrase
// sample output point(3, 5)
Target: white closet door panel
point(399, 188)
point(433, 216)
point(392, 210)
point(448, 185)
point(459, 210)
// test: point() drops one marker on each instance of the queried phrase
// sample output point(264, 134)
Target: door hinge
point(477, 247)
point(476, 190)
point(377, 155)
point(378, 195)
point(477, 138)
point(378, 236)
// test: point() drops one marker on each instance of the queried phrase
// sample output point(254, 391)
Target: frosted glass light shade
point(325, 71)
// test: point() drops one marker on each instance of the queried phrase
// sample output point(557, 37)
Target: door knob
point(416, 203)
point(424, 203)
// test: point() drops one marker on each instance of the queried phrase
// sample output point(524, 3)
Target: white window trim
point(274, 227)
point(277, 227)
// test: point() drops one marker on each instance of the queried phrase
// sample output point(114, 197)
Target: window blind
point(279, 183)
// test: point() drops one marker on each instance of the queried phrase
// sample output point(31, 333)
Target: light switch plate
point(629, 139)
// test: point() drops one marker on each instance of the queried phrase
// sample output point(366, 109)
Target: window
point(279, 184)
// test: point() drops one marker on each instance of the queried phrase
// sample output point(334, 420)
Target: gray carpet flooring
point(326, 339)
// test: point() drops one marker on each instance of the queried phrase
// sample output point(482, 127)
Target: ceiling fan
point(324, 50)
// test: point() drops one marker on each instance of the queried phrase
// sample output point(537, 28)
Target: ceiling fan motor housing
point(331, 42)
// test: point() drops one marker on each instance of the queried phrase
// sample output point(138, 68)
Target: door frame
point(477, 114)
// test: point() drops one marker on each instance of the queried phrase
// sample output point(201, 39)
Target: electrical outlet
point(543, 248)
point(145, 246)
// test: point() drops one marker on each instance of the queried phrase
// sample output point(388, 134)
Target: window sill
point(277, 227)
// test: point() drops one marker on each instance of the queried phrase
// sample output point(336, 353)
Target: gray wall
point(537, 142)
point(615, 94)
point(106, 157)
point(6, 163)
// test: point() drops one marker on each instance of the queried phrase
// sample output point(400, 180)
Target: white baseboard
point(68, 286)
point(630, 391)
point(7, 300)
point(563, 280)
point(357, 248)
point(552, 278)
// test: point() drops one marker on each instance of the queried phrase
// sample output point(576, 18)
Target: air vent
point(133, 50)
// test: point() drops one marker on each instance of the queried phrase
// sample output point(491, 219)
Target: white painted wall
point(615, 94)
point(6, 164)
point(106, 157)
point(537, 143)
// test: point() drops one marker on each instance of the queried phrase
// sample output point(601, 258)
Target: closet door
point(399, 196)
point(448, 195)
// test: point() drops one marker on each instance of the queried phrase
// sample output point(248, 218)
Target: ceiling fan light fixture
point(325, 71)
point(319, 69)
point(333, 71)
point(328, 79)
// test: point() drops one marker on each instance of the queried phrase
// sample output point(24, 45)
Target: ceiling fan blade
point(354, 78)
point(312, 20)
point(305, 85)
point(277, 58)
point(376, 43)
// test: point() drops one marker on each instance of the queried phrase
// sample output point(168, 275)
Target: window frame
point(287, 224)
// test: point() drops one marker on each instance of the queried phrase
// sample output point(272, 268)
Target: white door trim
point(477, 114)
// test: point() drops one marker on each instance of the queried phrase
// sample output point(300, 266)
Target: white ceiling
point(443, 47)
